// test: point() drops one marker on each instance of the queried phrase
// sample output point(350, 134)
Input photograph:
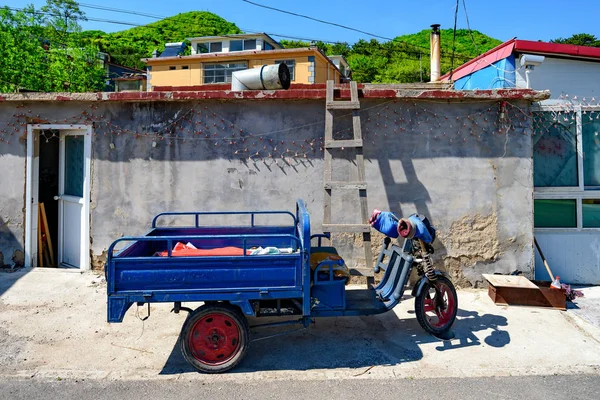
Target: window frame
point(204, 65)
point(293, 72)
point(579, 192)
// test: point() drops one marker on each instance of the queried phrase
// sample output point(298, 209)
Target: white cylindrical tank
point(267, 77)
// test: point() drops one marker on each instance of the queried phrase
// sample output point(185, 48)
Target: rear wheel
point(436, 306)
point(214, 338)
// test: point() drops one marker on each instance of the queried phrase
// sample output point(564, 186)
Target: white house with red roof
point(566, 145)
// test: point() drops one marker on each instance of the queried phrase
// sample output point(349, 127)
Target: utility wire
point(466, 57)
point(475, 44)
point(454, 40)
point(316, 19)
point(120, 10)
point(406, 51)
point(469, 26)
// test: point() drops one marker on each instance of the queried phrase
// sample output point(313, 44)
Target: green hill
point(466, 47)
point(405, 59)
point(129, 46)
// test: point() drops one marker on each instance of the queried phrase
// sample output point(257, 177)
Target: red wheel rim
point(439, 309)
point(214, 339)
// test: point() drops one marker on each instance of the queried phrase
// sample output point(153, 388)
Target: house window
point(202, 48)
point(566, 167)
point(185, 67)
point(291, 66)
point(555, 213)
point(221, 73)
point(267, 46)
point(172, 68)
point(236, 45)
point(216, 47)
point(240, 45)
point(591, 149)
point(212, 47)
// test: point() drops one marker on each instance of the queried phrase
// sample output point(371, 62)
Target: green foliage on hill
point(406, 58)
point(46, 50)
point(129, 46)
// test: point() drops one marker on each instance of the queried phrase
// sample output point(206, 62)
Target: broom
point(555, 281)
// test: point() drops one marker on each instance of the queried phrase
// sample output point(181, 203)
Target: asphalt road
point(529, 387)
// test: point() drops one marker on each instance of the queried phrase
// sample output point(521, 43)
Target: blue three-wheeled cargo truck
point(262, 270)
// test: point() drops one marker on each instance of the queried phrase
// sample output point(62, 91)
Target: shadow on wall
point(354, 342)
point(11, 258)
point(260, 154)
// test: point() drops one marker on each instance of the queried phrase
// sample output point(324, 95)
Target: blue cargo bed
point(136, 274)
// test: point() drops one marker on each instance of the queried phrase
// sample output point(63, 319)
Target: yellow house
point(215, 58)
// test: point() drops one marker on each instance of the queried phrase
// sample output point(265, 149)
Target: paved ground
point(53, 326)
point(531, 387)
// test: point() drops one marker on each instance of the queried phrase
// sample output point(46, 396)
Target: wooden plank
point(509, 281)
point(368, 250)
point(353, 91)
point(356, 125)
point(329, 92)
point(336, 144)
point(48, 237)
point(327, 207)
point(328, 125)
point(342, 105)
point(334, 228)
point(40, 243)
point(345, 185)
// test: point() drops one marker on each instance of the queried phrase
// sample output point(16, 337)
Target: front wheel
point(436, 306)
point(214, 338)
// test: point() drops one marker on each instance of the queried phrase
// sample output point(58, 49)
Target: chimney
point(435, 52)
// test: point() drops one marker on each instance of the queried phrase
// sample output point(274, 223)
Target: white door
point(73, 194)
point(71, 198)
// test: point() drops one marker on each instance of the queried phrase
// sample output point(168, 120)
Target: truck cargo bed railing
point(170, 240)
point(197, 214)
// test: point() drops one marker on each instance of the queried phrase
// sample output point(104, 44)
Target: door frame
point(31, 191)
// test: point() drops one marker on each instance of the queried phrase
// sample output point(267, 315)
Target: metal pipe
point(267, 77)
point(435, 52)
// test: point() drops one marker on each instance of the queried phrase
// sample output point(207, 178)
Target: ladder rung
point(345, 185)
point(342, 105)
point(346, 228)
point(333, 144)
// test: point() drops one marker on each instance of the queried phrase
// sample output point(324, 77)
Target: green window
point(555, 213)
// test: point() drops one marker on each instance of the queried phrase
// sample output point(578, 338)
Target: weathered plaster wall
point(444, 160)
point(12, 191)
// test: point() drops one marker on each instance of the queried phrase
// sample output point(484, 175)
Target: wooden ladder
point(361, 185)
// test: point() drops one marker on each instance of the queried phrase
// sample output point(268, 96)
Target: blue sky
point(532, 20)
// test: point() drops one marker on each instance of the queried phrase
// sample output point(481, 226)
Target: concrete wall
point(444, 160)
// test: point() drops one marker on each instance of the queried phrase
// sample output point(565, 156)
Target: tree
point(579, 39)
point(42, 50)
